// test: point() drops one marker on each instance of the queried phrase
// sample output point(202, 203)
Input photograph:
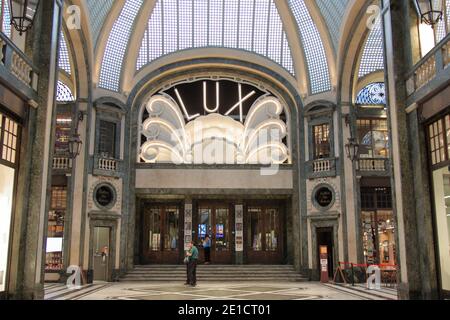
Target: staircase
point(227, 273)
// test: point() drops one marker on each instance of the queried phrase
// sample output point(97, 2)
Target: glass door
point(214, 220)
point(264, 237)
point(161, 234)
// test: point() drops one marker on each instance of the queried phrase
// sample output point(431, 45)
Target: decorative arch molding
point(319, 107)
point(277, 85)
point(214, 56)
point(80, 56)
point(150, 82)
point(113, 102)
point(354, 34)
point(377, 76)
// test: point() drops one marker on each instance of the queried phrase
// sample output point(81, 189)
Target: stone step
point(215, 273)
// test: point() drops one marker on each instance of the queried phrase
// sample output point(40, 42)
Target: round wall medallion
point(105, 196)
point(323, 197)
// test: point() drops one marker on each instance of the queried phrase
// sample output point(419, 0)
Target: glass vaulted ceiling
point(251, 25)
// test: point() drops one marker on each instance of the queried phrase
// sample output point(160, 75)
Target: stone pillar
point(415, 249)
point(187, 224)
point(351, 200)
point(37, 171)
point(239, 233)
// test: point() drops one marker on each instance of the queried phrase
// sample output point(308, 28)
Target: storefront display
point(55, 235)
point(438, 134)
point(9, 156)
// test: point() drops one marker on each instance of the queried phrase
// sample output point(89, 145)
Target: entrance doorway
point(325, 238)
point(264, 235)
point(161, 234)
point(216, 220)
point(101, 253)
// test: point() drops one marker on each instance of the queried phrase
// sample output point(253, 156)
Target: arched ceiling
point(319, 30)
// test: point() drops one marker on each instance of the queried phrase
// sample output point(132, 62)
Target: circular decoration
point(323, 197)
point(105, 196)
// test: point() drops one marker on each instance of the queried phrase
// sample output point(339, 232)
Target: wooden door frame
point(145, 257)
point(266, 257)
point(225, 258)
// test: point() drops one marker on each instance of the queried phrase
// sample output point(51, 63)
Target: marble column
point(33, 194)
point(415, 248)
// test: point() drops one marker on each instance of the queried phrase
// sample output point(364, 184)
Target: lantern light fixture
point(23, 13)
point(430, 11)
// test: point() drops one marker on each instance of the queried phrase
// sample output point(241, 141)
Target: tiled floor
point(207, 291)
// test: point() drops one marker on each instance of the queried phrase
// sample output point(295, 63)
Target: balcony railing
point(372, 165)
point(107, 165)
point(435, 62)
point(62, 163)
point(18, 65)
point(321, 167)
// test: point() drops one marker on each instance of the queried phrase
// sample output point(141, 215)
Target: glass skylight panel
point(98, 11)
point(63, 93)
point(170, 31)
point(216, 23)
point(185, 24)
point(6, 27)
point(372, 58)
point(313, 46)
point(200, 23)
point(252, 25)
point(246, 24)
point(117, 45)
point(260, 26)
point(64, 58)
point(155, 42)
point(231, 16)
point(275, 35)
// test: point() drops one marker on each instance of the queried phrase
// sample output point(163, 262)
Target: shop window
point(9, 147)
point(55, 236)
point(441, 190)
point(107, 139)
point(373, 138)
point(438, 138)
point(321, 134)
point(378, 226)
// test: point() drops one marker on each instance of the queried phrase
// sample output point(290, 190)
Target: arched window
point(372, 94)
point(63, 93)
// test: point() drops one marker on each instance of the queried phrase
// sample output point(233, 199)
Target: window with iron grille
point(321, 134)
point(107, 139)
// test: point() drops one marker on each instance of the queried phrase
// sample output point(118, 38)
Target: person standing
point(192, 257)
point(207, 248)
